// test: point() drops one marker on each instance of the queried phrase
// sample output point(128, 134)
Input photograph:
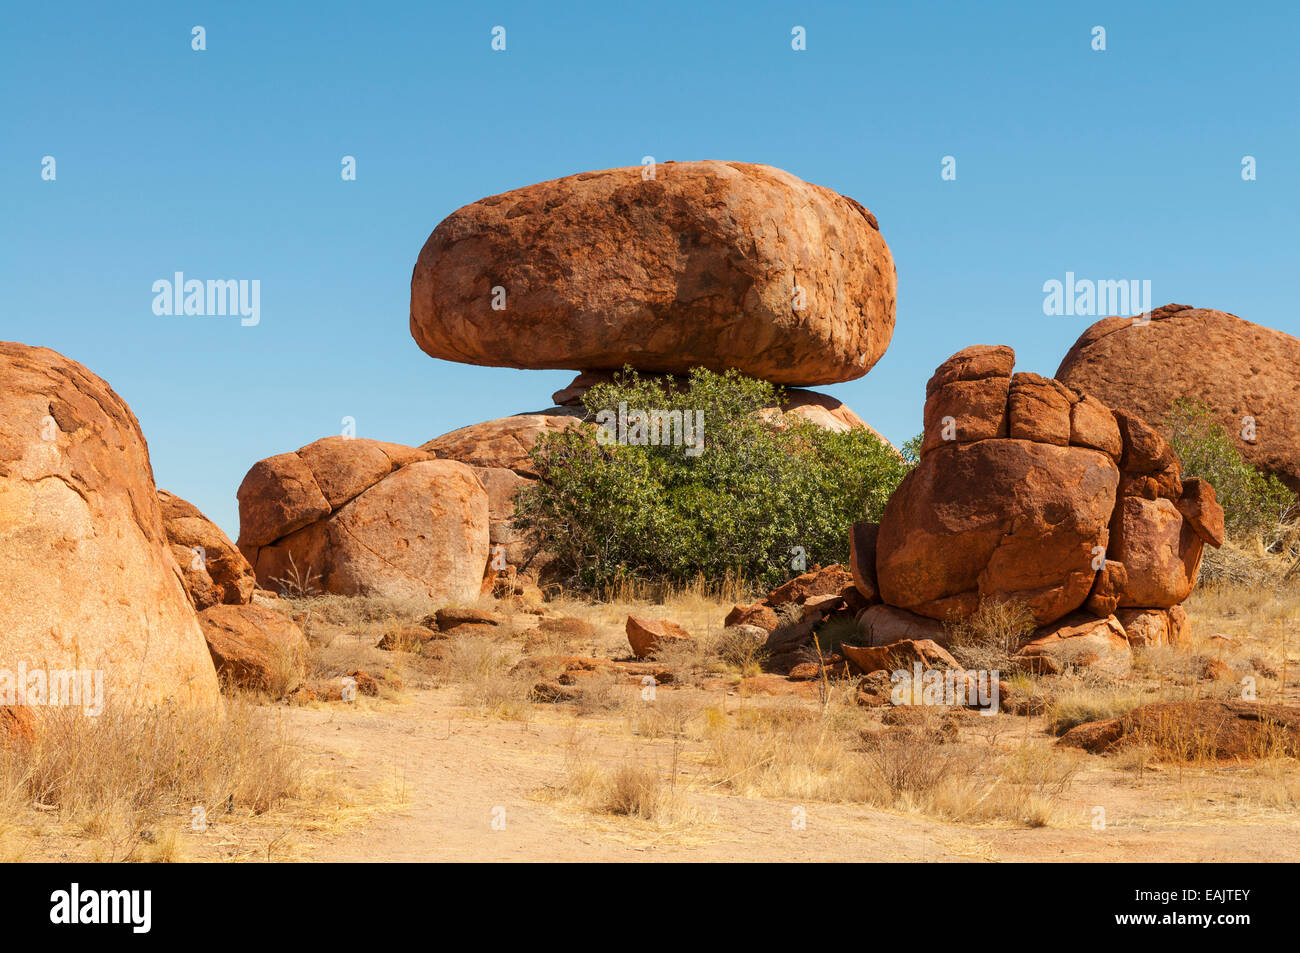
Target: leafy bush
point(1254, 504)
point(741, 507)
point(911, 450)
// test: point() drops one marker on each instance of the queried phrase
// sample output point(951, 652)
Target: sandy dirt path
point(457, 768)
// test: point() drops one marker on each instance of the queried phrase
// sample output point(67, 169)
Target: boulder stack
point(708, 264)
point(1028, 490)
point(694, 264)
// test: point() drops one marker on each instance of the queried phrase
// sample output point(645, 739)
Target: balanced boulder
point(712, 264)
point(88, 578)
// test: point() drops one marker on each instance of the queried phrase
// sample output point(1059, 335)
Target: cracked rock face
point(1241, 370)
point(712, 264)
point(87, 578)
point(1000, 518)
point(364, 518)
point(1030, 491)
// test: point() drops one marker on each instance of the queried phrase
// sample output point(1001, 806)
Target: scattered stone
point(647, 636)
point(831, 666)
point(900, 656)
point(554, 693)
point(758, 615)
point(408, 638)
point(450, 617)
point(1217, 670)
point(831, 581)
point(751, 633)
point(875, 689)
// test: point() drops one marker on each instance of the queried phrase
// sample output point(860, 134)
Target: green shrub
point(1254, 504)
point(911, 450)
point(741, 508)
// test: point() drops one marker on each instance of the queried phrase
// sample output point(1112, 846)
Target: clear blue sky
point(225, 163)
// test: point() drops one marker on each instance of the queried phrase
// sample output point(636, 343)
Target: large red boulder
point(286, 492)
point(1245, 372)
point(392, 522)
point(88, 582)
point(255, 647)
point(712, 264)
point(1003, 519)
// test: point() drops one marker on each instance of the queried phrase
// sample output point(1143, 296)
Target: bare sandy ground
point(459, 771)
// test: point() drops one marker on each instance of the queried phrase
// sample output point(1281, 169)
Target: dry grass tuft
point(993, 633)
point(631, 788)
point(134, 778)
point(1074, 700)
point(738, 652)
point(481, 666)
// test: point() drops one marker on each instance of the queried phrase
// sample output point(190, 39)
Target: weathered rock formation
point(88, 579)
point(1249, 375)
point(360, 517)
point(712, 264)
point(255, 647)
point(1029, 491)
point(1206, 728)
